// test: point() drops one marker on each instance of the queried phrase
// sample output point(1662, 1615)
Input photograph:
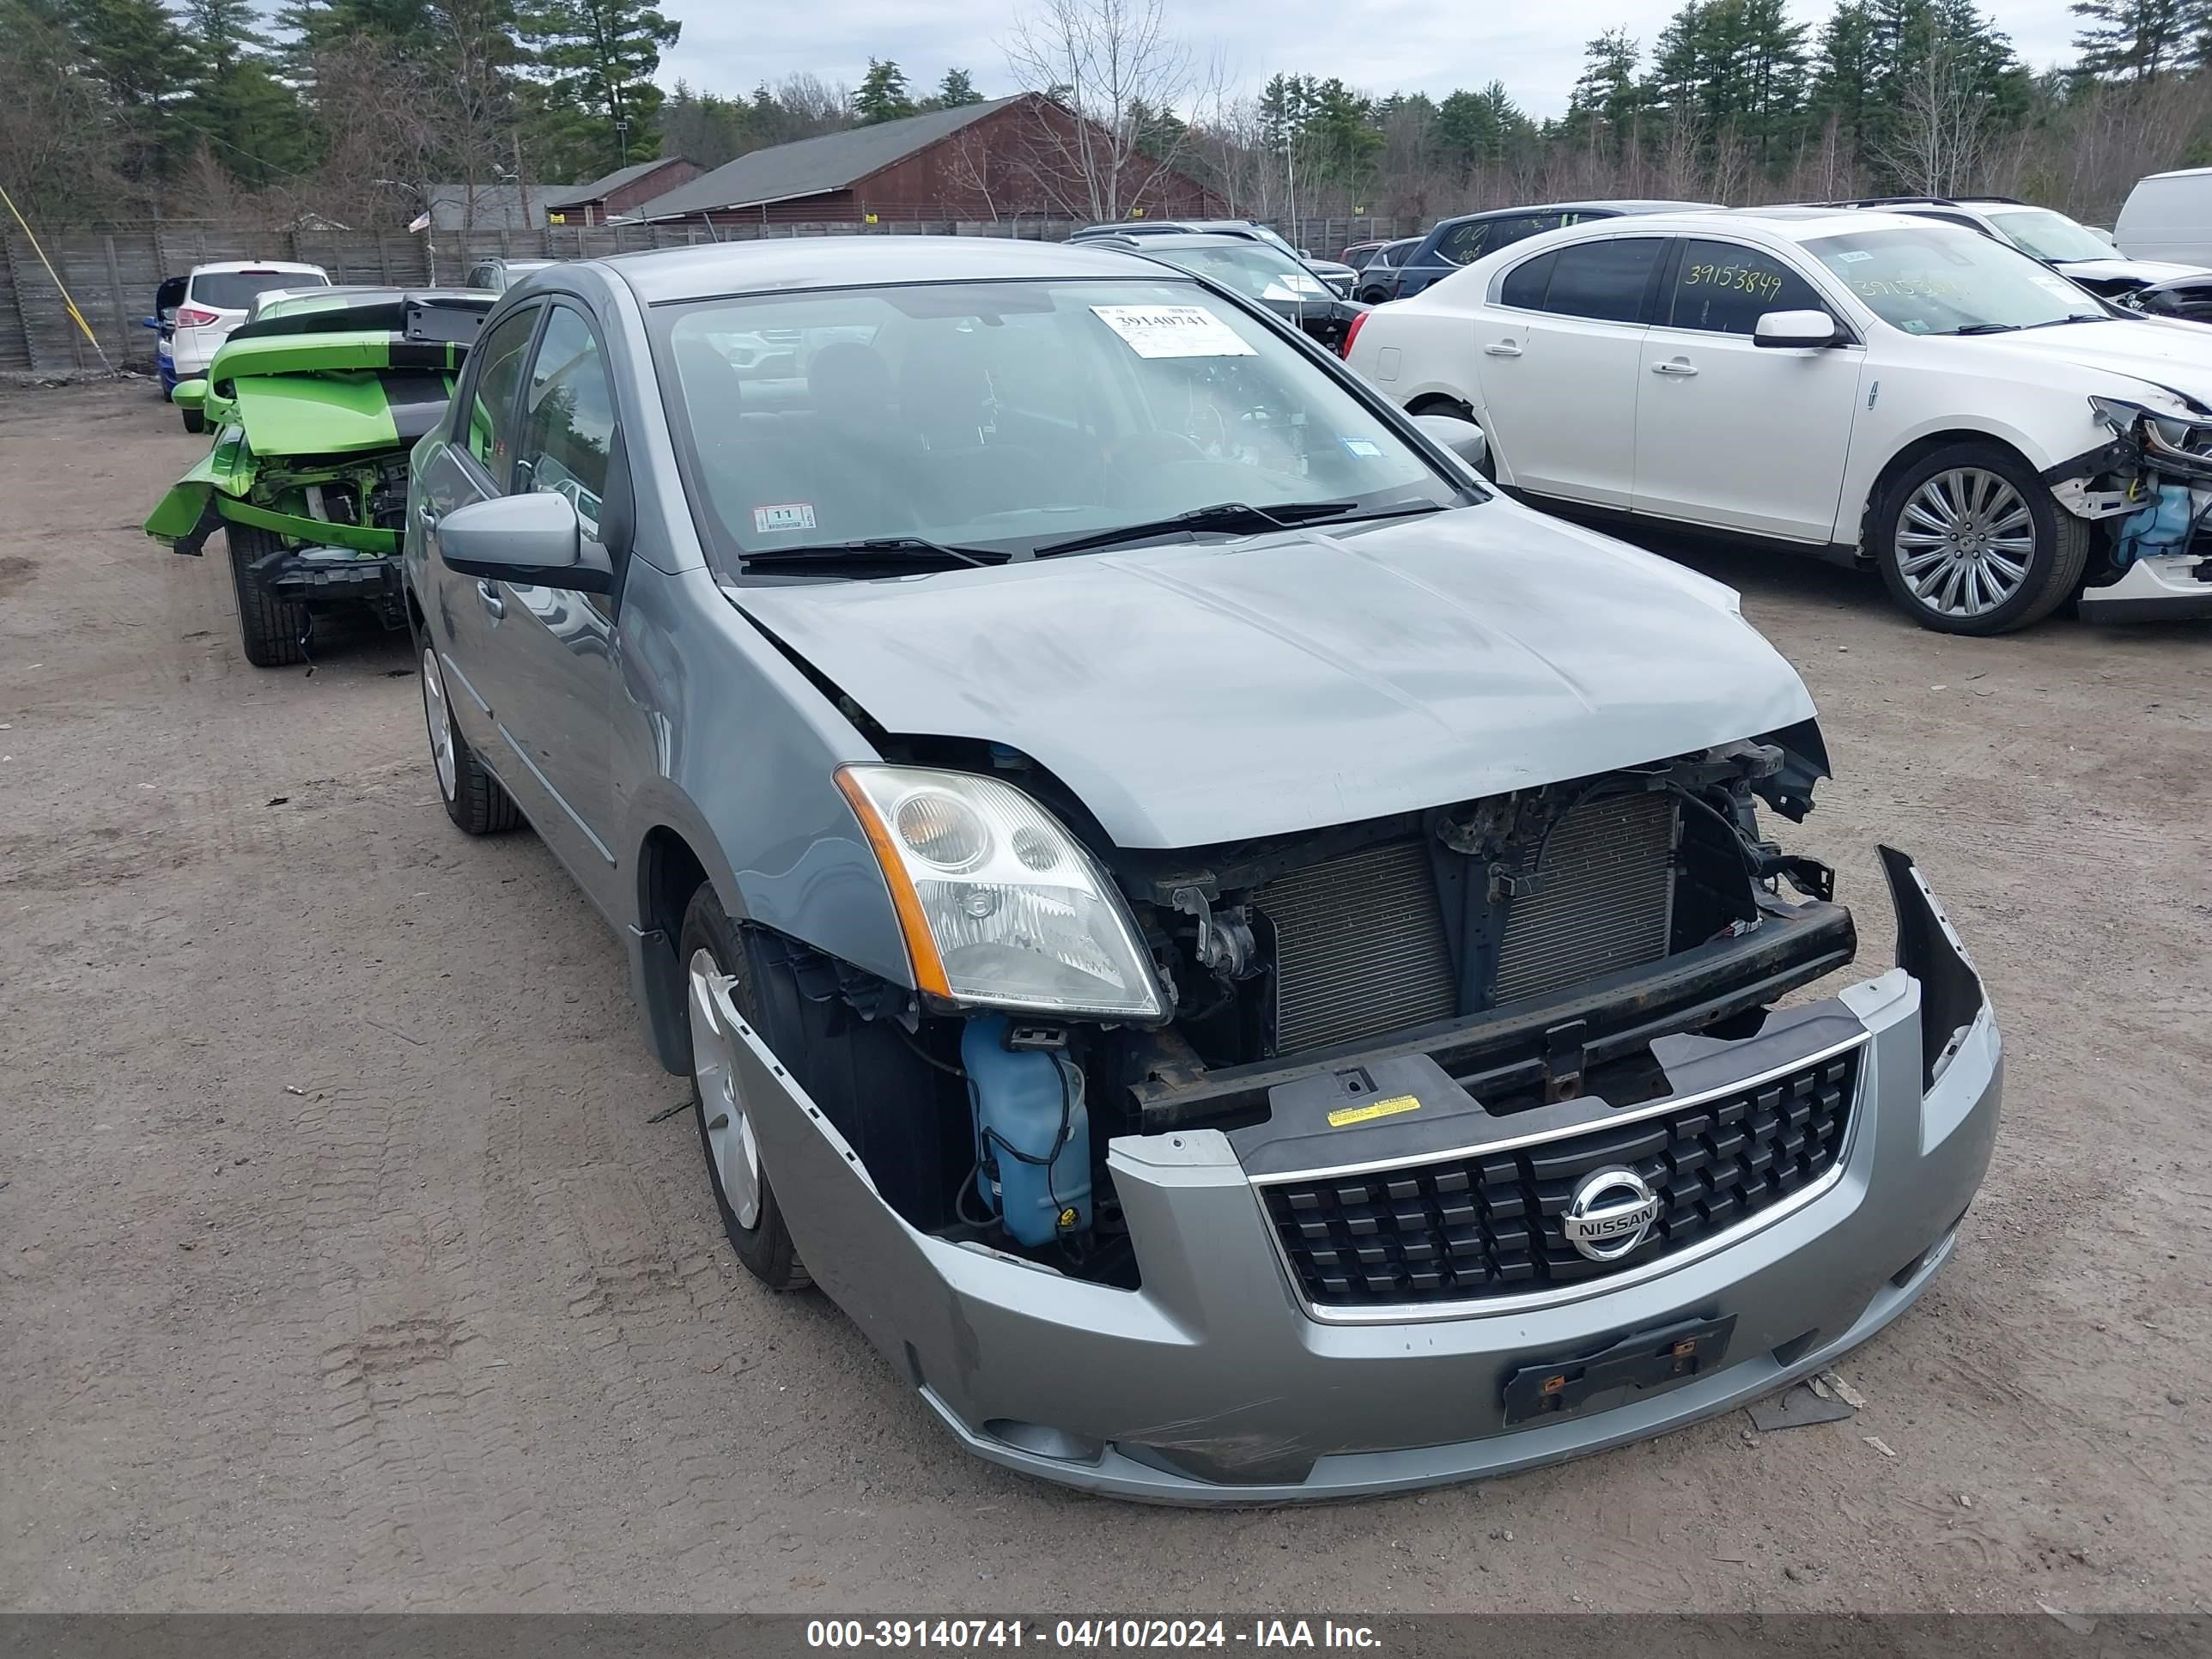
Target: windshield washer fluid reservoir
point(1032, 1133)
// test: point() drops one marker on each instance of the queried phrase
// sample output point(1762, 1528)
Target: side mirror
point(534, 538)
point(189, 394)
point(1463, 439)
point(1795, 328)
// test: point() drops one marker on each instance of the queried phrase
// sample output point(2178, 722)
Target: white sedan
point(1876, 387)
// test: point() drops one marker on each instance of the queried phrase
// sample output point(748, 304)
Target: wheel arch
point(1909, 456)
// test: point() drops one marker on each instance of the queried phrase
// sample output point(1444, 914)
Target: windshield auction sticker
point(1174, 332)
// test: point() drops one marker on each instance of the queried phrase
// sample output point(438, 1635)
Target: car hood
point(2123, 270)
point(2173, 354)
point(1197, 693)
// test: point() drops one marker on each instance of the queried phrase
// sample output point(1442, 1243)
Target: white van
point(2168, 216)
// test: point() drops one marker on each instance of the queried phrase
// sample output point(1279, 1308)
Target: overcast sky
point(1535, 47)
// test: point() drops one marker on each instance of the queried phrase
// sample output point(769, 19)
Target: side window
point(1504, 233)
point(1728, 289)
point(1525, 284)
point(569, 418)
point(1604, 280)
point(1462, 243)
point(498, 365)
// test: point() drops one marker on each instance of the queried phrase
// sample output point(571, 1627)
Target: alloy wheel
point(438, 723)
point(1965, 540)
point(729, 1133)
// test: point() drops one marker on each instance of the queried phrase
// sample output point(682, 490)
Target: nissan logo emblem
point(1611, 1214)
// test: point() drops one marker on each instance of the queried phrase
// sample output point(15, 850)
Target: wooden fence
point(112, 275)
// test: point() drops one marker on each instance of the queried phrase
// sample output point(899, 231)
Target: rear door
point(1728, 432)
point(1559, 351)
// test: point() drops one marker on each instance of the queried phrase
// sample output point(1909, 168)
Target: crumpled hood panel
point(2120, 270)
point(1199, 693)
point(2163, 351)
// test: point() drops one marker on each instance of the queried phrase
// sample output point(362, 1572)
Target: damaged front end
point(1339, 1144)
point(2150, 487)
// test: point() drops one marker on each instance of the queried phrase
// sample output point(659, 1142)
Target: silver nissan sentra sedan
point(1252, 966)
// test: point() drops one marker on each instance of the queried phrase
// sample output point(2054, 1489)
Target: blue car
point(1452, 243)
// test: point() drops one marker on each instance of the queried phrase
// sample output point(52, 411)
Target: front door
point(1558, 353)
point(472, 464)
point(552, 667)
point(1731, 434)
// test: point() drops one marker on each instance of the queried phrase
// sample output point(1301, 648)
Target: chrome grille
point(1359, 947)
point(1604, 899)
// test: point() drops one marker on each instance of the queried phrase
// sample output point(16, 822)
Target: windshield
point(1007, 415)
point(2050, 236)
point(1251, 268)
point(233, 290)
point(1941, 280)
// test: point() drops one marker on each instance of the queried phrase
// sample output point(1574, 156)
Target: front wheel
point(195, 421)
point(1969, 541)
point(711, 950)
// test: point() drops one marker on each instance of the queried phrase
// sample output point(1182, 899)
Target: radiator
point(1604, 899)
point(1359, 948)
point(1360, 943)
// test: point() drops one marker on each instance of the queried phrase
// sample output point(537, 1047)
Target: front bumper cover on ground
point(2157, 588)
point(1215, 1384)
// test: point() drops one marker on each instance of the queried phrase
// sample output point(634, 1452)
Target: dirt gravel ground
point(340, 1269)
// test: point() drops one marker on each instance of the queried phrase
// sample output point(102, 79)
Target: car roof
point(221, 266)
point(1620, 207)
point(708, 270)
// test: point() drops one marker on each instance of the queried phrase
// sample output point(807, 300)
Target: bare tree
point(1942, 125)
point(1106, 71)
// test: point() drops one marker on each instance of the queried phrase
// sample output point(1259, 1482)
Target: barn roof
point(835, 160)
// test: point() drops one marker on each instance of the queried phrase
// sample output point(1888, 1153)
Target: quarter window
point(1726, 289)
point(568, 422)
point(491, 405)
point(1524, 285)
point(1462, 243)
point(1604, 280)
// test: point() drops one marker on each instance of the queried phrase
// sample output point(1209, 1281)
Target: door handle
point(1679, 369)
point(1502, 349)
point(428, 517)
point(490, 599)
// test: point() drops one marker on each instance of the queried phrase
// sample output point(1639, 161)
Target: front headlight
point(1000, 906)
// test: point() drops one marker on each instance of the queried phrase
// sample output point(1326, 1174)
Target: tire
point(1969, 541)
point(751, 1215)
point(474, 799)
point(195, 420)
point(273, 630)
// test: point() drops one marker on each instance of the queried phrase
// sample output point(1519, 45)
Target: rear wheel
point(273, 631)
point(474, 799)
point(1970, 541)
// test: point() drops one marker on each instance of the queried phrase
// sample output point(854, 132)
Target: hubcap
point(1964, 541)
point(441, 728)
point(714, 1046)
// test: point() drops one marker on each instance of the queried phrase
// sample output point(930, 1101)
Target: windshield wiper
point(1990, 328)
point(900, 551)
point(1222, 515)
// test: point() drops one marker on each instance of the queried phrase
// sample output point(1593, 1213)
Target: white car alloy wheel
point(1965, 541)
point(729, 1135)
point(438, 723)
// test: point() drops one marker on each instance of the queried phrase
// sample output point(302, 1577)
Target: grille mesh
point(1359, 948)
point(1605, 899)
point(1489, 1223)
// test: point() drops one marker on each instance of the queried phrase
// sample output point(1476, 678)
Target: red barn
point(1007, 158)
point(620, 192)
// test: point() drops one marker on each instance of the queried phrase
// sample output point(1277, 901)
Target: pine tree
point(1608, 96)
point(596, 59)
point(957, 90)
point(147, 66)
point(2136, 39)
point(882, 95)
